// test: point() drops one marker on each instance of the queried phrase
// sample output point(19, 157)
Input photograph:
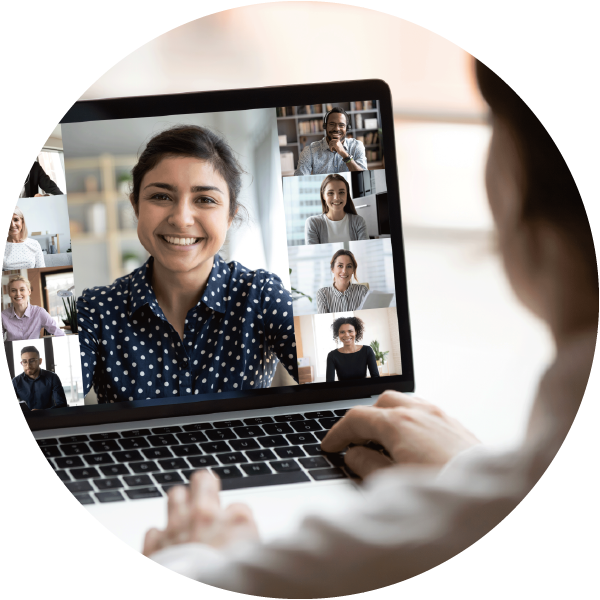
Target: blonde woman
point(24, 321)
point(21, 252)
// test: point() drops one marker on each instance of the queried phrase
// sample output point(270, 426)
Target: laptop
point(120, 456)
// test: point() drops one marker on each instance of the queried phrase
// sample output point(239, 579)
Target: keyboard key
point(272, 441)
point(324, 474)
point(227, 472)
point(321, 434)
point(194, 437)
point(170, 429)
point(47, 442)
point(51, 451)
point(63, 476)
point(258, 420)
point(85, 473)
point(99, 459)
point(263, 480)
point(134, 443)
point(173, 477)
point(212, 447)
point(84, 498)
point(277, 428)
point(109, 496)
point(141, 493)
point(249, 432)
point(162, 440)
point(133, 433)
point(314, 462)
point(105, 446)
point(189, 472)
point(319, 414)
point(201, 462)
point(128, 456)
point(71, 449)
point(197, 427)
point(232, 458)
point(284, 466)
point(341, 412)
point(337, 460)
point(221, 434)
point(244, 444)
point(256, 469)
point(260, 455)
point(69, 462)
point(313, 450)
point(187, 450)
point(115, 470)
point(78, 486)
point(287, 418)
point(329, 422)
point(108, 484)
point(171, 464)
point(289, 452)
point(137, 480)
point(147, 466)
point(113, 435)
point(73, 439)
point(232, 423)
point(299, 439)
point(157, 453)
point(307, 425)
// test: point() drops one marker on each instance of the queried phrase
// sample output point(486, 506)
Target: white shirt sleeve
point(39, 255)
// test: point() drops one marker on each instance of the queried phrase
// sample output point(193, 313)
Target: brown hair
point(549, 191)
point(349, 255)
point(197, 142)
point(349, 206)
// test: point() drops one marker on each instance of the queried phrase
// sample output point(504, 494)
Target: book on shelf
point(309, 109)
point(370, 123)
point(312, 126)
point(371, 138)
point(359, 122)
point(372, 155)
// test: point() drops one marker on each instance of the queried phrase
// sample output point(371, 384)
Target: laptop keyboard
point(145, 463)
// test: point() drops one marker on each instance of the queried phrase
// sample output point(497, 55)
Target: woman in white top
point(342, 295)
point(21, 252)
point(339, 221)
point(436, 491)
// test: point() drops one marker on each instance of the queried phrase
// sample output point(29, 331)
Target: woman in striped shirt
point(342, 295)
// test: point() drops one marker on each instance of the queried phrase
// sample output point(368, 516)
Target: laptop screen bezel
point(234, 100)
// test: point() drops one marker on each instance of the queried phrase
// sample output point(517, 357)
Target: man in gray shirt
point(335, 153)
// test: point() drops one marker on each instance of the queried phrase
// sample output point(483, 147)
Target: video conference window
point(46, 176)
point(330, 138)
point(296, 273)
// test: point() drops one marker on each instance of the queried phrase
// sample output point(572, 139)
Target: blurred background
point(477, 352)
point(99, 156)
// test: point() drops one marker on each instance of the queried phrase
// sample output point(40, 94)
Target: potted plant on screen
point(380, 356)
point(70, 309)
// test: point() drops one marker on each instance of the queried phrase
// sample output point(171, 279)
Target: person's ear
point(41, 361)
point(232, 218)
point(134, 205)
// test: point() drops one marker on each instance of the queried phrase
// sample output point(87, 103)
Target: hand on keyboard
point(195, 515)
point(412, 431)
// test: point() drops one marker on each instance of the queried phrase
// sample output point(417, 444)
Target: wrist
point(348, 158)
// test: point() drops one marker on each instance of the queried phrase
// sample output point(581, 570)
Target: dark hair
point(349, 206)
point(341, 111)
point(197, 142)
point(347, 253)
point(357, 323)
point(549, 192)
point(27, 349)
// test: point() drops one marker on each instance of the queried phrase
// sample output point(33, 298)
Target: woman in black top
point(350, 361)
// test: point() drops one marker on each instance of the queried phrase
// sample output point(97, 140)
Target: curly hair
point(358, 324)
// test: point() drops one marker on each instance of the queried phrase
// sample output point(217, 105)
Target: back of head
point(549, 193)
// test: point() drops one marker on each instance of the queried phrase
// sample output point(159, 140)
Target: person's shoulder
point(358, 143)
point(356, 218)
point(315, 218)
point(120, 286)
point(18, 378)
point(31, 243)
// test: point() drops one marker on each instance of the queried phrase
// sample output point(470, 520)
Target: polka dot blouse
point(233, 338)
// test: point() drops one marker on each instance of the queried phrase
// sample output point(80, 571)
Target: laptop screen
point(208, 252)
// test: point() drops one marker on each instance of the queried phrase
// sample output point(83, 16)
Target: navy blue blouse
point(232, 340)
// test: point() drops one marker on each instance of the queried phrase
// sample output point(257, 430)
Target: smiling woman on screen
point(185, 322)
point(21, 252)
point(339, 221)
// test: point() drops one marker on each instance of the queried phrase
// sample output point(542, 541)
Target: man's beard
point(328, 137)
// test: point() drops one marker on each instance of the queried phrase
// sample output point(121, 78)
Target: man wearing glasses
point(38, 388)
point(335, 153)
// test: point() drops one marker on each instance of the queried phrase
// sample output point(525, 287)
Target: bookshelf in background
point(298, 126)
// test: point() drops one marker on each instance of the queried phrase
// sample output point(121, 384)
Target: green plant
point(298, 293)
point(71, 311)
point(379, 356)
